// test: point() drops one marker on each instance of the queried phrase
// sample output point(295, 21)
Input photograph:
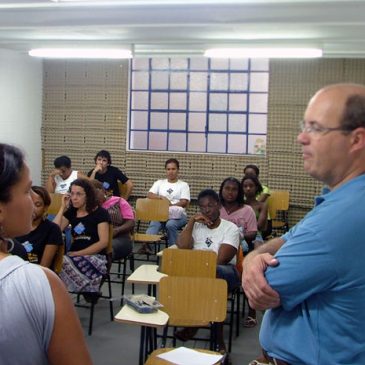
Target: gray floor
point(114, 343)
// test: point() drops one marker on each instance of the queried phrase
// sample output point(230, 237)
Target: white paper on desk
point(185, 356)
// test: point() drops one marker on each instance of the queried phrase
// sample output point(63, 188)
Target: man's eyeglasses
point(315, 128)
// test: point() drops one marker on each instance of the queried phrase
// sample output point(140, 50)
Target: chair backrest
point(58, 261)
point(278, 200)
point(193, 263)
point(193, 301)
point(152, 209)
point(56, 200)
point(122, 189)
point(239, 260)
point(109, 248)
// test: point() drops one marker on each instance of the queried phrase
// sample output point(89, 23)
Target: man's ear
point(358, 139)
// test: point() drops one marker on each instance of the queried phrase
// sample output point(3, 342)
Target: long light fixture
point(101, 53)
point(263, 52)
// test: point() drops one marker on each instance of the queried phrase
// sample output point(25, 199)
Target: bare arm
point(260, 295)
point(262, 219)
point(155, 196)
point(48, 255)
point(263, 197)
point(126, 227)
point(81, 175)
point(67, 345)
point(185, 239)
point(59, 219)
point(182, 203)
point(225, 254)
point(95, 248)
point(129, 185)
point(97, 168)
point(51, 184)
point(250, 236)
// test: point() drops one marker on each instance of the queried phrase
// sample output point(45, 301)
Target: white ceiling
point(185, 27)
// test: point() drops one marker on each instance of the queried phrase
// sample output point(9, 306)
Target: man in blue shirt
point(314, 286)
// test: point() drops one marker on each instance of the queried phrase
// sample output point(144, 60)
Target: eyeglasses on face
point(316, 128)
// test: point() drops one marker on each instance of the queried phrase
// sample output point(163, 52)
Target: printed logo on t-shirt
point(63, 185)
point(208, 241)
point(106, 185)
point(28, 246)
point(170, 190)
point(80, 228)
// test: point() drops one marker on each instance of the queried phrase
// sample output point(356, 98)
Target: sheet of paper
point(186, 356)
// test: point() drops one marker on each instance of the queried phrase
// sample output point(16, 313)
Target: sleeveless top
point(62, 186)
point(27, 313)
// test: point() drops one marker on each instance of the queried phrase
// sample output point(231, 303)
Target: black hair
point(91, 195)
point(104, 154)
point(173, 160)
point(239, 198)
point(208, 193)
point(255, 180)
point(253, 167)
point(11, 166)
point(62, 161)
point(43, 193)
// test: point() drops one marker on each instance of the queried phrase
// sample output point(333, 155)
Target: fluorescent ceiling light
point(263, 52)
point(113, 53)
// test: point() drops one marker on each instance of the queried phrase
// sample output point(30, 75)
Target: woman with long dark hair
point(85, 263)
point(36, 309)
point(234, 210)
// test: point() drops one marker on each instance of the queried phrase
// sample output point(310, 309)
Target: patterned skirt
point(83, 274)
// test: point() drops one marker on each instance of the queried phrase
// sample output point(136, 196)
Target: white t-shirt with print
point(172, 191)
point(205, 238)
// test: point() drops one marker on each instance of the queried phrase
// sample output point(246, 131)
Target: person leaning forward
point(312, 280)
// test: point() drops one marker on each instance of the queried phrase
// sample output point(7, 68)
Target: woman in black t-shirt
point(90, 233)
point(42, 242)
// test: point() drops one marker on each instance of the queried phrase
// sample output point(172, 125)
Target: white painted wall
point(21, 106)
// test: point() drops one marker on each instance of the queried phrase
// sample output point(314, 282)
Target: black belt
point(273, 360)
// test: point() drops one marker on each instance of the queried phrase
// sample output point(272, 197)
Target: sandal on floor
point(186, 333)
point(259, 362)
point(250, 322)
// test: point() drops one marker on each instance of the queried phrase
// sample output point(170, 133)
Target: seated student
point(234, 210)
point(122, 218)
point(253, 170)
point(61, 177)
point(41, 243)
point(261, 197)
point(207, 231)
point(177, 192)
point(251, 188)
point(38, 322)
point(85, 263)
point(109, 175)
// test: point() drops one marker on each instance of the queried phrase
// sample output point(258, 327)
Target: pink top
point(125, 209)
point(244, 217)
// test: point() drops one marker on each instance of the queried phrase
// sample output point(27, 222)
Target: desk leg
point(142, 345)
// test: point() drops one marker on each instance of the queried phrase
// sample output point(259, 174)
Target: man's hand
point(260, 295)
point(201, 218)
point(98, 168)
point(55, 172)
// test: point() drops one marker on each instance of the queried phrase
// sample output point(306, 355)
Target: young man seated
point(207, 231)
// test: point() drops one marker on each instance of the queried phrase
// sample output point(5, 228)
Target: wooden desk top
point(146, 274)
point(129, 315)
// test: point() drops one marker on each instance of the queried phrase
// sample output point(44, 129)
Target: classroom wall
point(85, 110)
point(21, 106)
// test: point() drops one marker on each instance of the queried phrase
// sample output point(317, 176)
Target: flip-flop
point(250, 322)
